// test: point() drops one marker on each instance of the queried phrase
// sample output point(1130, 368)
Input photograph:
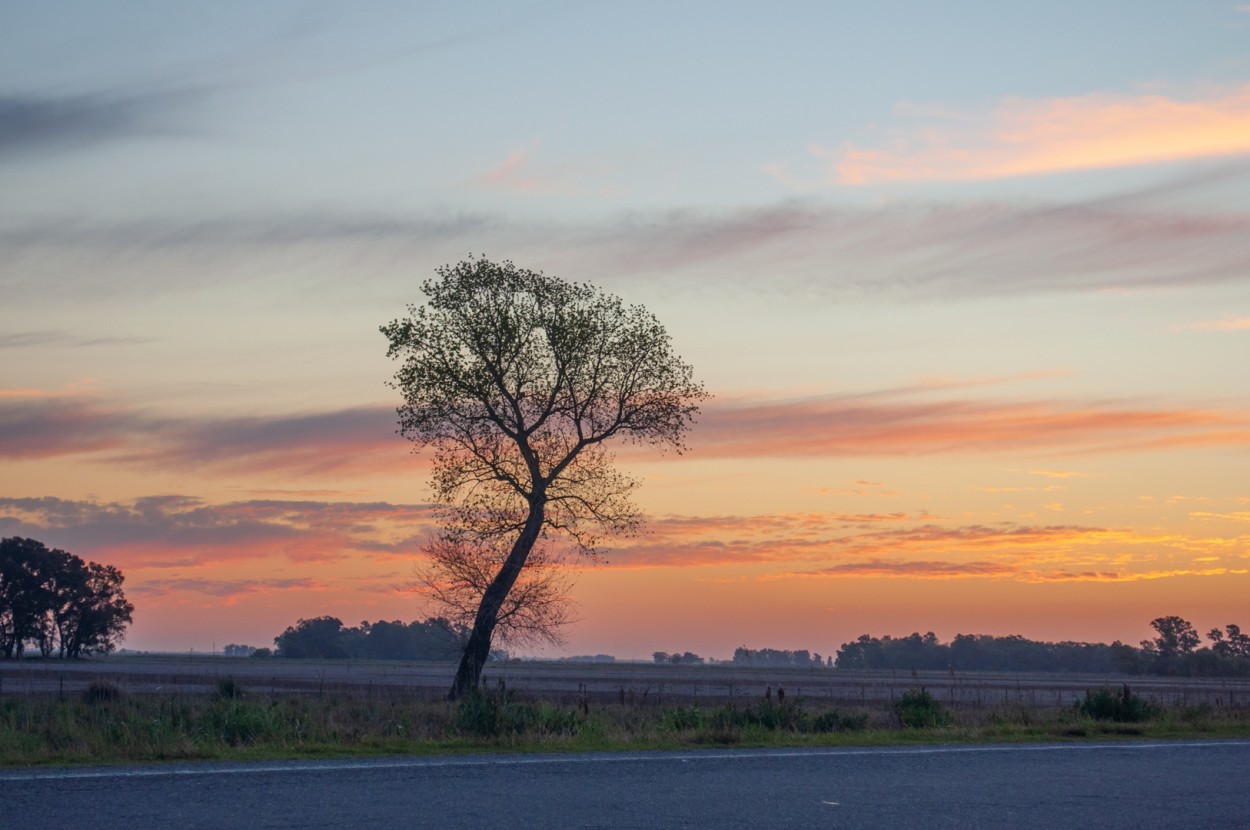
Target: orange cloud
point(1239, 516)
point(824, 426)
point(520, 173)
point(1024, 137)
point(1225, 324)
point(921, 570)
point(361, 441)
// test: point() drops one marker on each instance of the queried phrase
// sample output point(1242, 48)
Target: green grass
point(104, 726)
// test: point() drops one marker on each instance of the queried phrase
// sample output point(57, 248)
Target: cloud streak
point(29, 339)
point(361, 441)
point(175, 545)
point(1223, 324)
point(1135, 240)
point(841, 427)
point(160, 532)
point(903, 546)
point(39, 124)
point(521, 172)
point(1026, 137)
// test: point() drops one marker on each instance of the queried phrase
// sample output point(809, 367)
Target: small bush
point(1121, 707)
point(229, 689)
point(682, 718)
point(558, 720)
point(101, 691)
point(477, 714)
point(834, 721)
point(917, 709)
point(717, 737)
point(765, 715)
point(489, 716)
point(236, 724)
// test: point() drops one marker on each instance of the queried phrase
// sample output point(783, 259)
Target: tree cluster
point(677, 658)
point(1174, 651)
point(326, 638)
point(54, 601)
point(776, 658)
point(976, 652)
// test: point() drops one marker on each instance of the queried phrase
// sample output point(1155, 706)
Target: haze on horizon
point(971, 286)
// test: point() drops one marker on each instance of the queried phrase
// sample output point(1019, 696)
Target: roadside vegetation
point(106, 725)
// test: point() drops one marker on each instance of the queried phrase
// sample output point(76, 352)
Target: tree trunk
point(477, 649)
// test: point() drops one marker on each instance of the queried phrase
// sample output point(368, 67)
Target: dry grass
point(108, 725)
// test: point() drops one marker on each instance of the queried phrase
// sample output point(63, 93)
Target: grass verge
point(106, 726)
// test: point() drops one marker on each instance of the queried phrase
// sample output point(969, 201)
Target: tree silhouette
point(58, 602)
point(518, 381)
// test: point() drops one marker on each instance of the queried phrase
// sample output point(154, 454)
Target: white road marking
point(209, 768)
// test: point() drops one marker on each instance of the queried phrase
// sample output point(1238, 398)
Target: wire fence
point(631, 684)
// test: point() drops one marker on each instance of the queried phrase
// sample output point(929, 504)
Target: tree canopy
point(518, 382)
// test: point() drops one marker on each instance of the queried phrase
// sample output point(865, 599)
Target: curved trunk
point(477, 649)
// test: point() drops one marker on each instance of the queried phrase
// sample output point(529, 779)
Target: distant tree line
point(1174, 651)
point(54, 601)
point(326, 638)
point(677, 658)
point(777, 658)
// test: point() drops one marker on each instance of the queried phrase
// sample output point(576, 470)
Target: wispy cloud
point(182, 545)
point(836, 426)
point(179, 532)
point(915, 569)
point(913, 546)
point(1238, 516)
point(996, 570)
point(1135, 240)
point(1227, 323)
point(362, 440)
point(38, 124)
point(228, 589)
point(359, 440)
point(521, 171)
point(1023, 137)
point(1058, 474)
point(27, 339)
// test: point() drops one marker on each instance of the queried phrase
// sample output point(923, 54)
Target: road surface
point(1122, 785)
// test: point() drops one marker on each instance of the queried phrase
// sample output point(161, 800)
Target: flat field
point(627, 683)
point(180, 707)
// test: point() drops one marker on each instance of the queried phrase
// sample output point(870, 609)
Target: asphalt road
point(1122, 785)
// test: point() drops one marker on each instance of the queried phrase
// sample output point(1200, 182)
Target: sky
point(969, 283)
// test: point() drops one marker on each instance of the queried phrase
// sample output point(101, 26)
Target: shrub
point(239, 723)
point(490, 716)
point(229, 689)
point(558, 720)
point(917, 709)
point(681, 718)
point(834, 721)
point(101, 691)
point(1122, 706)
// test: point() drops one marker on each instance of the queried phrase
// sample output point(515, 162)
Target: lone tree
point(518, 381)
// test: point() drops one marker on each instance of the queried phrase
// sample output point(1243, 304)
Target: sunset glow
point(971, 293)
